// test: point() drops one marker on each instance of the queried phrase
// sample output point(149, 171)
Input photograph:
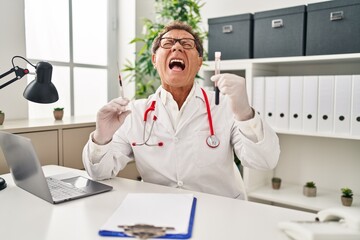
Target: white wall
point(216, 8)
point(212, 9)
point(127, 31)
point(12, 42)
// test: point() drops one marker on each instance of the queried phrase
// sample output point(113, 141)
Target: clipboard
point(159, 210)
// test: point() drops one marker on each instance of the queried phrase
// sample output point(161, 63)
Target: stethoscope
point(212, 141)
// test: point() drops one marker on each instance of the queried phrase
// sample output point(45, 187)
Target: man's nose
point(177, 47)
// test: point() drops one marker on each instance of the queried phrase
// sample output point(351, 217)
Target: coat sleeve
point(256, 144)
point(105, 161)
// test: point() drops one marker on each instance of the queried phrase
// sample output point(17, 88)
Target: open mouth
point(177, 64)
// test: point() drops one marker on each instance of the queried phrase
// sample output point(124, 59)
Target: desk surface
point(24, 216)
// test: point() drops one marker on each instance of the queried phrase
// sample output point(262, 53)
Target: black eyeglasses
point(186, 43)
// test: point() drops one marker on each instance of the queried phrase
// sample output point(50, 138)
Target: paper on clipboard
point(158, 209)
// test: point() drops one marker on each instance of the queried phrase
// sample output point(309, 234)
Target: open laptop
point(27, 173)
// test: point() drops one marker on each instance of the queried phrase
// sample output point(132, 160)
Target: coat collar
point(157, 95)
point(192, 107)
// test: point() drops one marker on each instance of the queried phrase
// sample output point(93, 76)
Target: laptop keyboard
point(60, 189)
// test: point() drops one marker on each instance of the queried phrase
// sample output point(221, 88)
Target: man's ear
point(200, 61)
point(153, 59)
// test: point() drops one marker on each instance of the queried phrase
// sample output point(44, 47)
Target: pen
point(217, 71)
point(120, 83)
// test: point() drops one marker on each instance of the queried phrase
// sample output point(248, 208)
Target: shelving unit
point(290, 195)
point(331, 161)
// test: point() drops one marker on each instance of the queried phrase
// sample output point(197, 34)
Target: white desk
point(24, 216)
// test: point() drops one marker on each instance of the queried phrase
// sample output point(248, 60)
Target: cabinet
point(55, 142)
point(45, 144)
point(73, 141)
point(330, 160)
point(58, 142)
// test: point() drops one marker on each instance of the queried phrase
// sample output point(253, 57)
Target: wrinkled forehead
point(178, 34)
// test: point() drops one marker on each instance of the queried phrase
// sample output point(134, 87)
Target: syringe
point(120, 83)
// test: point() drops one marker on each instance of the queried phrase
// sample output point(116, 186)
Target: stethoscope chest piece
point(212, 141)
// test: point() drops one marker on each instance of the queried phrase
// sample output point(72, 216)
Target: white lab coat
point(185, 160)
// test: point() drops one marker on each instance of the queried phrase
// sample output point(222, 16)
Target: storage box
point(280, 32)
point(333, 27)
point(232, 36)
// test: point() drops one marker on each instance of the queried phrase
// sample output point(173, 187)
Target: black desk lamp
point(41, 89)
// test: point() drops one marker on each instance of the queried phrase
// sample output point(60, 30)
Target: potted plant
point(309, 189)
point(276, 182)
point(142, 70)
point(346, 196)
point(2, 117)
point(58, 113)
